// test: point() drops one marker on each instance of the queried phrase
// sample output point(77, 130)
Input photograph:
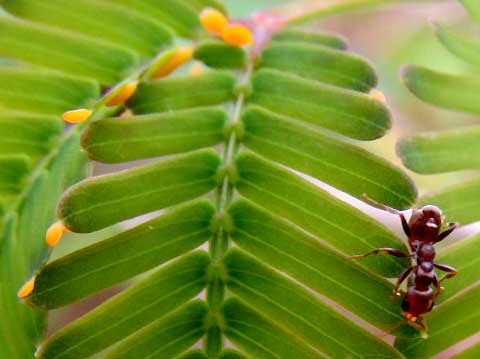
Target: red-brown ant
point(423, 232)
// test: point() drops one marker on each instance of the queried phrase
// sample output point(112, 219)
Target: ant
point(423, 232)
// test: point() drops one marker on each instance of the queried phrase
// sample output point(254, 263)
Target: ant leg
point(402, 278)
point(438, 288)
point(391, 210)
point(390, 251)
point(452, 272)
point(447, 232)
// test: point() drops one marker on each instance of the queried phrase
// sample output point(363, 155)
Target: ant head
point(426, 252)
point(425, 223)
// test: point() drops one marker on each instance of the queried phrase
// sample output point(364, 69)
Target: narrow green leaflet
point(154, 297)
point(464, 47)
point(102, 201)
point(23, 247)
point(232, 354)
point(59, 92)
point(13, 172)
point(460, 203)
point(347, 112)
point(194, 354)
point(184, 92)
point(55, 49)
point(166, 337)
point(443, 151)
point(314, 264)
point(454, 92)
point(26, 133)
point(450, 323)
point(473, 8)
point(310, 37)
point(332, 160)
point(219, 55)
point(261, 338)
point(316, 211)
point(139, 33)
point(463, 256)
point(320, 63)
point(298, 311)
point(116, 140)
point(123, 256)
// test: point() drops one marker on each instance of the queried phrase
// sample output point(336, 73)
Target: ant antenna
point(379, 205)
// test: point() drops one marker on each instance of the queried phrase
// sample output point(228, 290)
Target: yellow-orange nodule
point(27, 288)
point(378, 95)
point(124, 94)
point(196, 69)
point(213, 20)
point(177, 59)
point(54, 234)
point(77, 116)
point(237, 35)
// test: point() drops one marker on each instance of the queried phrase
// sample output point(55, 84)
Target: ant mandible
point(423, 232)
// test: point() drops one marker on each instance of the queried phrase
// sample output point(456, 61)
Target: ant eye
point(405, 305)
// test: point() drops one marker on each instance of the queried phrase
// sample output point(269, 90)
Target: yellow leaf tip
point(124, 94)
point(54, 233)
point(213, 20)
point(27, 288)
point(378, 96)
point(77, 116)
point(237, 35)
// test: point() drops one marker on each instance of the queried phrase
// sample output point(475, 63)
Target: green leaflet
point(184, 92)
point(194, 354)
point(167, 337)
point(320, 63)
point(472, 7)
point(312, 263)
point(55, 49)
point(332, 160)
point(448, 324)
point(346, 112)
point(30, 134)
point(118, 25)
point(316, 211)
point(261, 338)
point(101, 201)
point(154, 297)
point(13, 171)
point(463, 255)
point(298, 311)
point(464, 47)
point(219, 55)
point(123, 256)
point(117, 140)
point(310, 37)
point(442, 152)
point(473, 352)
point(23, 247)
point(459, 203)
point(44, 92)
point(232, 354)
point(454, 92)
point(177, 14)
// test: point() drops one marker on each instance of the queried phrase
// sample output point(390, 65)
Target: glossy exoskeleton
point(423, 231)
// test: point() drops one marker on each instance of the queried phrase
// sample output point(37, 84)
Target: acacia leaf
point(460, 45)
point(332, 160)
point(346, 112)
point(105, 200)
point(219, 55)
point(332, 220)
point(298, 311)
point(442, 151)
point(310, 37)
point(123, 256)
point(116, 140)
point(154, 296)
